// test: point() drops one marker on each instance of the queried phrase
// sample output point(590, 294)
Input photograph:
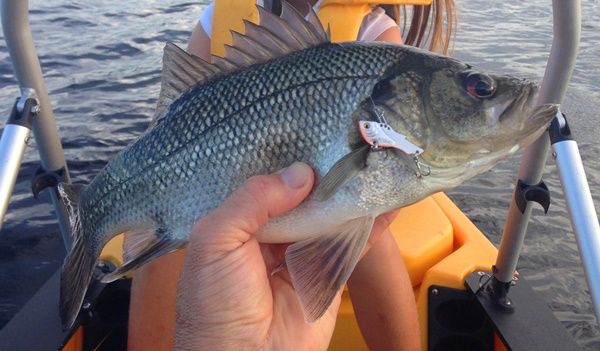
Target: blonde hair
point(430, 27)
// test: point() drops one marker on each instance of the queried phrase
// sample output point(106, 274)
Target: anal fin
point(154, 250)
point(137, 240)
point(319, 267)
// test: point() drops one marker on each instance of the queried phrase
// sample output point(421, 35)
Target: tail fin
point(78, 266)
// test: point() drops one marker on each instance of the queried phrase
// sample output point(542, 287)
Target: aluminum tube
point(566, 33)
point(12, 147)
point(15, 24)
point(584, 219)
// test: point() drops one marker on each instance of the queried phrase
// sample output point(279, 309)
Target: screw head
point(434, 292)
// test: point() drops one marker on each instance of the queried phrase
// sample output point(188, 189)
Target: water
point(102, 64)
point(516, 38)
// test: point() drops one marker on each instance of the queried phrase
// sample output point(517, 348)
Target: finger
point(250, 206)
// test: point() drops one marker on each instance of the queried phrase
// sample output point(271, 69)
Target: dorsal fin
point(180, 71)
point(272, 38)
point(252, 47)
point(310, 34)
point(283, 30)
point(281, 35)
point(238, 57)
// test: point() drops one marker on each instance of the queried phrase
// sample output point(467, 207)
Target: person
point(239, 305)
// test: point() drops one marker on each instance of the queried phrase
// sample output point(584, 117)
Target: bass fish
point(382, 125)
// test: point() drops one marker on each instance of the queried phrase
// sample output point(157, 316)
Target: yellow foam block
point(113, 251)
point(472, 251)
point(75, 343)
point(424, 236)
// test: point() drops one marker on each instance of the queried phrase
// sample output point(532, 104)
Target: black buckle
point(43, 179)
point(537, 192)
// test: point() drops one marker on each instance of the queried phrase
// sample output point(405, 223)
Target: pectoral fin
point(319, 267)
point(344, 169)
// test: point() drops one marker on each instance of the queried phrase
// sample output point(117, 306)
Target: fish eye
point(479, 85)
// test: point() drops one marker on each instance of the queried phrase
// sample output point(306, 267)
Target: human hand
point(227, 298)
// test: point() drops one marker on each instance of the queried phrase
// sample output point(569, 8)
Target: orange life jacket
point(342, 17)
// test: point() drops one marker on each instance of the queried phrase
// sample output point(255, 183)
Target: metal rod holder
point(17, 34)
point(566, 30)
point(584, 219)
point(12, 145)
point(567, 27)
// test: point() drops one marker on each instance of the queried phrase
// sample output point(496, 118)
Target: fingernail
point(296, 175)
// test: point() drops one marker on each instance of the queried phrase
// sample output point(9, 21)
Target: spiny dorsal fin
point(310, 34)
point(272, 38)
point(238, 57)
point(252, 47)
point(279, 36)
point(283, 30)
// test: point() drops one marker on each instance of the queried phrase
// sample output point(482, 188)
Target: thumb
point(249, 207)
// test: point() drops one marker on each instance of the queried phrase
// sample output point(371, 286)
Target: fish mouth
point(537, 123)
point(519, 106)
point(544, 113)
point(517, 121)
point(522, 123)
point(523, 116)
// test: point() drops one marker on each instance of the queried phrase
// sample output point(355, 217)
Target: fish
point(284, 93)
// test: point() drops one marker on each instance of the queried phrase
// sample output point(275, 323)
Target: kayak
point(443, 252)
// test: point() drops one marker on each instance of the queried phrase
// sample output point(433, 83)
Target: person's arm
point(380, 289)
point(383, 298)
point(152, 306)
point(391, 35)
point(199, 43)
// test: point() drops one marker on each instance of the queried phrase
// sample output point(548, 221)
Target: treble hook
point(420, 166)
